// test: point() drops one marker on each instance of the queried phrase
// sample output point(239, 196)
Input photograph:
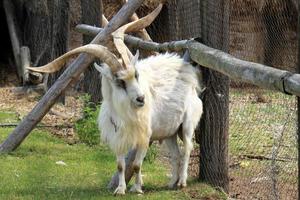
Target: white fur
point(171, 88)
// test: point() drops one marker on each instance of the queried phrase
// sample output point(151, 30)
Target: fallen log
point(40, 88)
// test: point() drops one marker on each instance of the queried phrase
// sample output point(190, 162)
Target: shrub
point(151, 153)
point(86, 128)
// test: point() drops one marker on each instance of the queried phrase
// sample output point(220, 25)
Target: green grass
point(8, 117)
point(31, 172)
point(253, 129)
point(253, 125)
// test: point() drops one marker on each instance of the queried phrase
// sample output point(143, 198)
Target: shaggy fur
point(170, 87)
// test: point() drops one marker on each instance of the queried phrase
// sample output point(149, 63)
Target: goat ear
point(135, 58)
point(104, 70)
point(98, 68)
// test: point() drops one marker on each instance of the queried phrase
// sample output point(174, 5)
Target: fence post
point(213, 133)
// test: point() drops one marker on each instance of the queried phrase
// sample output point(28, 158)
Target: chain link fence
point(263, 158)
point(262, 124)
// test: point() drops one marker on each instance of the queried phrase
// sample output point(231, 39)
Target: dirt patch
point(61, 117)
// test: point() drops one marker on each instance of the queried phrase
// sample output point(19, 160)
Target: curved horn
point(118, 35)
point(98, 51)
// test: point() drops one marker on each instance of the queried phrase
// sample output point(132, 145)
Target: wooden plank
point(75, 69)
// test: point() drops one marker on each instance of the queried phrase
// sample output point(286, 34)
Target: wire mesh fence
point(263, 136)
point(262, 145)
point(263, 149)
point(262, 124)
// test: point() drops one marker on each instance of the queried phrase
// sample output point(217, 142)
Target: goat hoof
point(120, 191)
point(181, 184)
point(172, 184)
point(136, 189)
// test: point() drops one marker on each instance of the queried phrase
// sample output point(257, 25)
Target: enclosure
point(247, 141)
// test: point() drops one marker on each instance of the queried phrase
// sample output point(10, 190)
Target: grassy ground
point(31, 172)
point(254, 129)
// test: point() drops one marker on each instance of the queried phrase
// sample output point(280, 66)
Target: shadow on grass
point(66, 192)
point(101, 192)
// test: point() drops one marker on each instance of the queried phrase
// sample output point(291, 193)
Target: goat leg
point(129, 171)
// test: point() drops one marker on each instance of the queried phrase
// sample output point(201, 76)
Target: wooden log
point(15, 43)
point(73, 72)
point(237, 69)
point(32, 77)
point(137, 42)
point(249, 72)
point(40, 88)
point(25, 62)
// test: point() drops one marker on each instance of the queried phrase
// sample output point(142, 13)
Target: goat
point(151, 100)
point(144, 100)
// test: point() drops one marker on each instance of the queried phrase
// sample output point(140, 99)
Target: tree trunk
point(213, 133)
point(59, 21)
point(46, 32)
point(92, 14)
point(37, 31)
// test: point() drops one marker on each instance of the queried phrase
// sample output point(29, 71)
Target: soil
point(244, 186)
point(59, 115)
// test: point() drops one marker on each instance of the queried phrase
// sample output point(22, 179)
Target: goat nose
point(140, 99)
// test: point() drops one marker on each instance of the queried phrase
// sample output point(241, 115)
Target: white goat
point(151, 99)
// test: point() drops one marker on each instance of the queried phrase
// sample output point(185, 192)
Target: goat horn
point(96, 50)
point(104, 21)
point(118, 35)
point(141, 33)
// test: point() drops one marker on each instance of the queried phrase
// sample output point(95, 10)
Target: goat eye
point(121, 83)
point(136, 75)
